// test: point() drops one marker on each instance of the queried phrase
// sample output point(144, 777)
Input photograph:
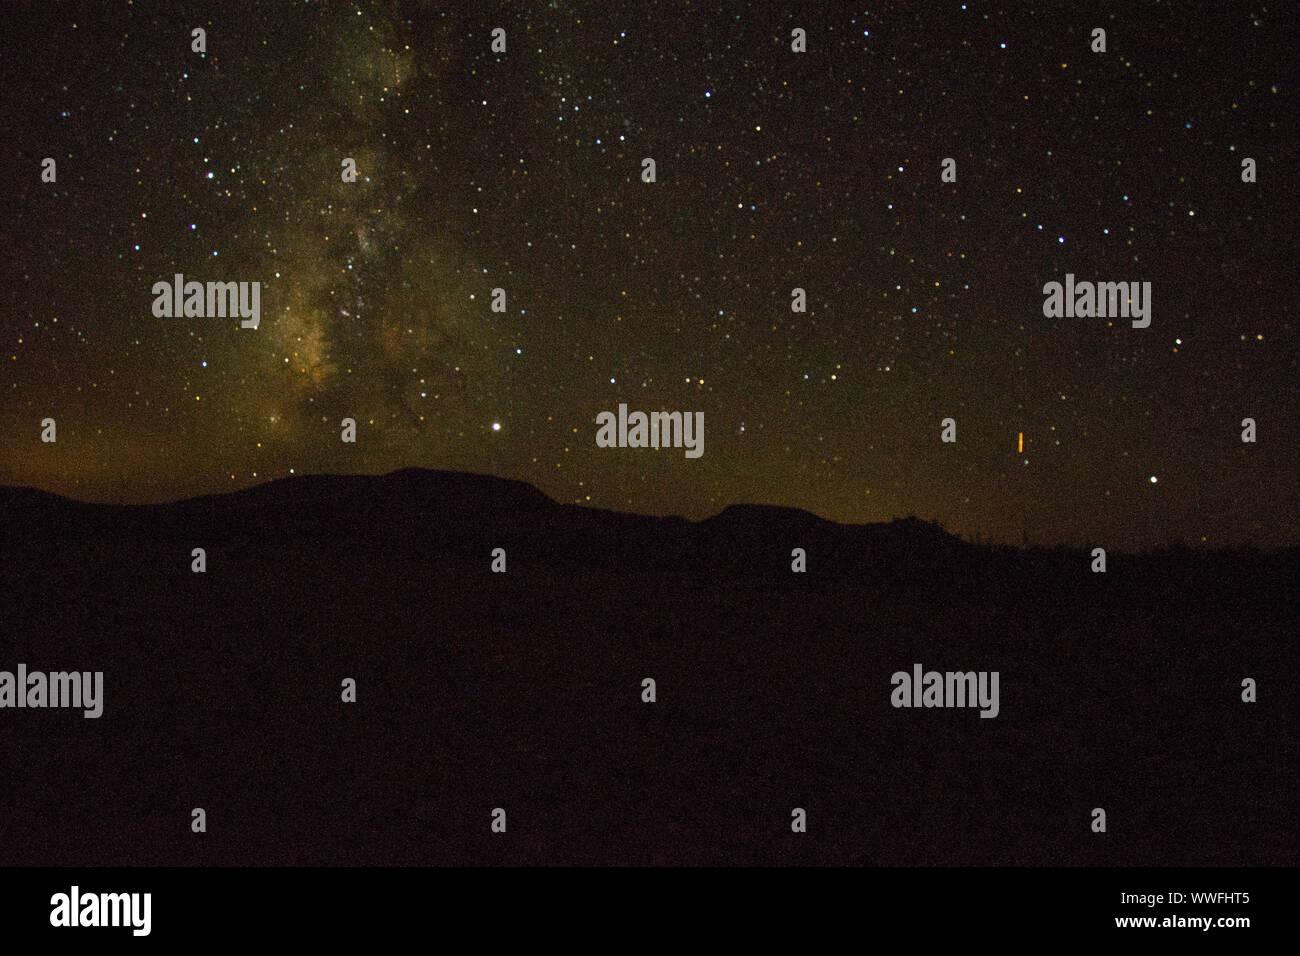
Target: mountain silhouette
point(524, 690)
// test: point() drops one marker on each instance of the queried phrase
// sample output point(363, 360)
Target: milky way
point(776, 170)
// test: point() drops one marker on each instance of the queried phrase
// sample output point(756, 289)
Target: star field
point(775, 170)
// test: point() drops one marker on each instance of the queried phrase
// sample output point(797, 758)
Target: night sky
point(775, 170)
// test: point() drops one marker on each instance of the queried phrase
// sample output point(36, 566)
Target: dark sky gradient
point(775, 170)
